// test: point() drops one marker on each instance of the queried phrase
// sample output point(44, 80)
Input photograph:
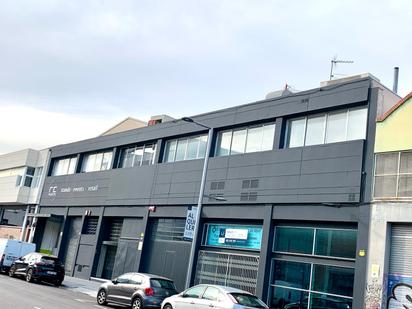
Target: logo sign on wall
point(190, 223)
point(234, 236)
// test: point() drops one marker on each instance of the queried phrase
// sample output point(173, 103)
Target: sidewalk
point(84, 286)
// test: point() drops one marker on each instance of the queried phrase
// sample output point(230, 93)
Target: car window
point(211, 293)
point(195, 292)
point(221, 297)
point(136, 279)
point(50, 260)
point(248, 300)
point(124, 278)
point(162, 283)
point(26, 257)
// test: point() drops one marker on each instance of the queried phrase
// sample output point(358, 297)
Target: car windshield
point(161, 283)
point(50, 260)
point(248, 300)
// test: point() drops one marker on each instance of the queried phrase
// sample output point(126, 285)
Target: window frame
point(326, 115)
point(186, 139)
point(143, 147)
point(103, 154)
point(398, 175)
point(71, 160)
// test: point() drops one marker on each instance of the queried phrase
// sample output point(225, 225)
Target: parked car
point(38, 266)
point(11, 250)
point(213, 296)
point(138, 290)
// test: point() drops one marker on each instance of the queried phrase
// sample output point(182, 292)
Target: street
point(16, 293)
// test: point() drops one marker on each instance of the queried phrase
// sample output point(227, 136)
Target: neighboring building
point(390, 244)
point(21, 179)
point(293, 177)
point(127, 124)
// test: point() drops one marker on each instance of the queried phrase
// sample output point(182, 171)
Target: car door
point(21, 264)
point(116, 291)
point(191, 298)
point(129, 289)
point(212, 298)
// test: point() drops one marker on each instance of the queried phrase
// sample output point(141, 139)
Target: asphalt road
point(18, 294)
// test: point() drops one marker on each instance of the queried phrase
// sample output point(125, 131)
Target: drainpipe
point(395, 79)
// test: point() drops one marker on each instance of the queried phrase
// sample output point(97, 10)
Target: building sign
point(55, 190)
point(234, 236)
point(190, 223)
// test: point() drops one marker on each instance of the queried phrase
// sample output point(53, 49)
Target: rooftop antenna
point(333, 64)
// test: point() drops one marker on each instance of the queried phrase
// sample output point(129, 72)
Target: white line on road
point(36, 308)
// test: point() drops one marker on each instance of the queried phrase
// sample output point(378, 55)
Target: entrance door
point(51, 237)
point(73, 235)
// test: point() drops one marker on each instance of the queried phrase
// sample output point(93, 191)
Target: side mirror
point(114, 281)
point(21, 258)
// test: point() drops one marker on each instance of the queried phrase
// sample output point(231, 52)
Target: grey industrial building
point(286, 206)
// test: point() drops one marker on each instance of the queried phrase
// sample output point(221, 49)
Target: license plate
point(52, 273)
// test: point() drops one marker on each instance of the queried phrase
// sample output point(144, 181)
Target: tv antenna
point(333, 64)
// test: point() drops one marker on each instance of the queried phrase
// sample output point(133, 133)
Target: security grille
point(115, 229)
point(238, 271)
point(90, 225)
point(168, 229)
point(400, 262)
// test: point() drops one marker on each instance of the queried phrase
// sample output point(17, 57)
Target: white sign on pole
point(190, 223)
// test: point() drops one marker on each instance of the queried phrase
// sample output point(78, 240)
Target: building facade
point(21, 180)
point(286, 206)
point(389, 265)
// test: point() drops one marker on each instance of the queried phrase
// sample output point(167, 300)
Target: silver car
point(137, 290)
point(213, 296)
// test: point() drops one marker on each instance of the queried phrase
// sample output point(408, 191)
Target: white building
point(21, 180)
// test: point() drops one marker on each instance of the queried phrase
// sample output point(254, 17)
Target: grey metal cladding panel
point(124, 211)
point(184, 188)
point(334, 150)
point(330, 180)
point(132, 227)
point(329, 165)
point(187, 176)
point(163, 188)
point(170, 211)
point(346, 94)
point(327, 198)
point(234, 212)
point(60, 211)
point(131, 183)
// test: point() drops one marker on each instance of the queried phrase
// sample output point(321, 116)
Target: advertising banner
point(234, 236)
point(190, 223)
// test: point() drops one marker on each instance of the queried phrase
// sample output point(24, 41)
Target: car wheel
point(29, 275)
point(137, 303)
point(168, 306)
point(101, 297)
point(12, 271)
point(57, 283)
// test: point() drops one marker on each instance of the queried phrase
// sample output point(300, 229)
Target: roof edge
point(394, 108)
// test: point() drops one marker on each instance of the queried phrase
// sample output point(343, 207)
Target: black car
point(39, 266)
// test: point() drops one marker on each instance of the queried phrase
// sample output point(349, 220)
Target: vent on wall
point(250, 183)
point(248, 196)
point(217, 185)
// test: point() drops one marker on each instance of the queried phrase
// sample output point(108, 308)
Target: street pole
point(199, 204)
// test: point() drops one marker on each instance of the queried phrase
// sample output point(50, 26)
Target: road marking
point(36, 308)
point(80, 300)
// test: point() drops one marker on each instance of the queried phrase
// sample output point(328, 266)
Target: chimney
point(395, 79)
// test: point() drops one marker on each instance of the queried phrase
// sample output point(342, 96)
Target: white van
point(11, 250)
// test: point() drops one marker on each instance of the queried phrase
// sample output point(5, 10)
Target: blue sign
point(234, 236)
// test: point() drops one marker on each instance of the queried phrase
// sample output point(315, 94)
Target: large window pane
point(315, 130)
point(126, 158)
point(148, 155)
point(296, 132)
point(405, 186)
point(268, 137)
point(294, 240)
point(385, 186)
point(254, 139)
point(339, 243)
point(238, 142)
point(170, 151)
point(292, 274)
point(223, 144)
point(288, 299)
point(202, 146)
point(181, 150)
point(357, 119)
point(72, 166)
point(106, 161)
point(406, 162)
point(336, 127)
point(386, 163)
point(321, 301)
point(333, 280)
point(138, 156)
point(192, 147)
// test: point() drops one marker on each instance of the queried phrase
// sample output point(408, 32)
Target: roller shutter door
point(400, 262)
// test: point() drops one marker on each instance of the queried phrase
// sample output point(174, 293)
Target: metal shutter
point(238, 271)
point(400, 261)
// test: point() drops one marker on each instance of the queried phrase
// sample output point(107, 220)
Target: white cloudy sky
point(71, 69)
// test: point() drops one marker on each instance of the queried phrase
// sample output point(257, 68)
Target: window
point(244, 140)
point(337, 126)
point(97, 161)
point(29, 176)
point(137, 156)
point(37, 177)
point(393, 175)
point(64, 166)
point(168, 229)
point(301, 277)
point(188, 148)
